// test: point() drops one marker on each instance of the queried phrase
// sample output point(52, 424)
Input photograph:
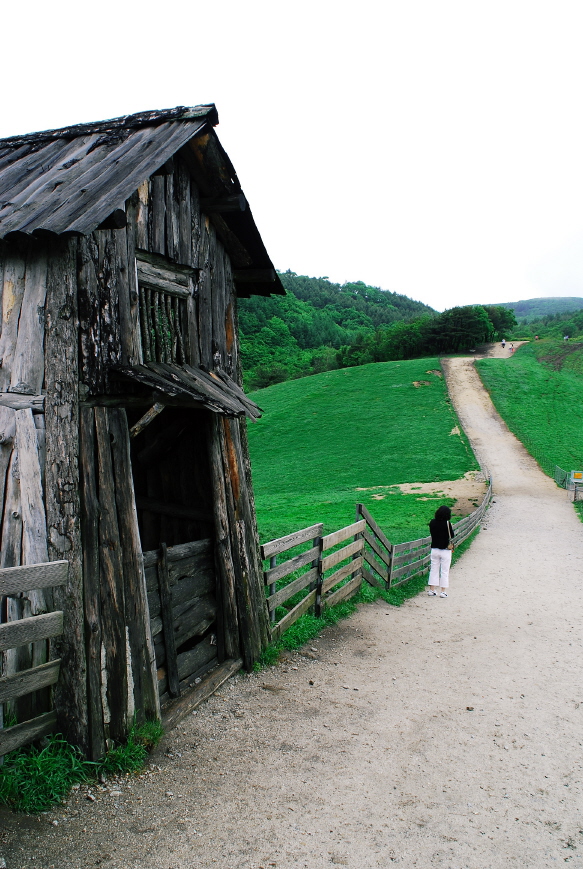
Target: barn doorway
point(174, 500)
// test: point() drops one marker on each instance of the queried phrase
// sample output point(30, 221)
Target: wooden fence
point(35, 630)
point(368, 556)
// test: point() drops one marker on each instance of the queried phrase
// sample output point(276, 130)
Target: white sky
point(432, 147)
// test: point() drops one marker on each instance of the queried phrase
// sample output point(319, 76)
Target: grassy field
point(328, 441)
point(539, 394)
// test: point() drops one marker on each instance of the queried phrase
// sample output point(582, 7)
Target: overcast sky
point(431, 147)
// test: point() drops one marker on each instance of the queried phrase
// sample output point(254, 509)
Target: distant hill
point(534, 309)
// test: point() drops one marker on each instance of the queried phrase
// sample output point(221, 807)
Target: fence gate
point(35, 630)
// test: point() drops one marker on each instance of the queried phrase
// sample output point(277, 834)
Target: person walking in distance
point(442, 535)
point(503, 343)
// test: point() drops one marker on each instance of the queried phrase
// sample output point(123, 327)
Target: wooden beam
point(191, 700)
point(146, 419)
point(30, 630)
point(220, 204)
point(116, 220)
point(36, 403)
point(254, 276)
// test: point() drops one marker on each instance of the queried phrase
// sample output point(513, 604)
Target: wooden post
point(317, 563)
point(272, 587)
point(61, 477)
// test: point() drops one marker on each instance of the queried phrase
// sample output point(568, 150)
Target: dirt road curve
point(446, 733)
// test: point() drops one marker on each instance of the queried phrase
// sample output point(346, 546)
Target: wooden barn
point(123, 451)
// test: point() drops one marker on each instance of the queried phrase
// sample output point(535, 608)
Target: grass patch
point(578, 505)
point(538, 394)
point(328, 441)
point(34, 779)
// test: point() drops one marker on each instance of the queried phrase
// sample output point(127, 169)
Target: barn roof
point(73, 180)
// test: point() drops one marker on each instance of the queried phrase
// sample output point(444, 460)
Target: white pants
point(440, 562)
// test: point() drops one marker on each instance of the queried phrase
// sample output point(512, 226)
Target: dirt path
point(445, 733)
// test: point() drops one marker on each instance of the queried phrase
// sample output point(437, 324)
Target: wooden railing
point(369, 556)
point(34, 629)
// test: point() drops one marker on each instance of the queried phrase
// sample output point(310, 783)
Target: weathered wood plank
point(111, 584)
point(91, 582)
point(146, 419)
point(142, 215)
point(291, 564)
point(292, 588)
point(281, 544)
point(418, 565)
point(180, 552)
point(191, 700)
point(168, 622)
point(12, 295)
point(191, 661)
point(137, 617)
point(341, 574)
point(30, 630)
point(172, 209)
point(293, 615)
point(376, 565)
point(346, 551)
point(28, 363)
point(22, 402)
point(372, 580)
point(336, 537)
point(374, 527)
point(157, 215)
point(376, 547)
point(34, 536)
point(228, 620)
point(22, 734)
point(409, 556)
point(28, 681)
point(342, 593)
point(412, 544)
point(14, 580)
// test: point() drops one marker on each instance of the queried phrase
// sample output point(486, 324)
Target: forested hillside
point(300, 333)
point(535, 309)
point(319, 326)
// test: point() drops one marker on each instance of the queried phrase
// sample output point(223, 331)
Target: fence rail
point(360, 551)
point(23, 632)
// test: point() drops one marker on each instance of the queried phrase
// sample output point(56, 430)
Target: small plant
point(33, 779)
point(131, 756)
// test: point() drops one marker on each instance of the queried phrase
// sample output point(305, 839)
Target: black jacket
point(439, 533)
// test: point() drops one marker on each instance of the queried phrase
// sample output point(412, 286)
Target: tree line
point(319, 325)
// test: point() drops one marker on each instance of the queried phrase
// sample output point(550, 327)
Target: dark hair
point(443, 513)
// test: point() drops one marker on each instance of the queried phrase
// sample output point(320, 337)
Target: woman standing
point(441, 539)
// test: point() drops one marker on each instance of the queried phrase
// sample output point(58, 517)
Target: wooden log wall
point(70, 315)
point(23, 536)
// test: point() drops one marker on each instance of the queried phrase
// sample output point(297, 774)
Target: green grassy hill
point(322, 438)
point(539, 395)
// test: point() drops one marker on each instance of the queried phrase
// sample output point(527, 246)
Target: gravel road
point(445, 733)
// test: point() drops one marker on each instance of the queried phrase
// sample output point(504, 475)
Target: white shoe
point(443, 594)
point(432, 593)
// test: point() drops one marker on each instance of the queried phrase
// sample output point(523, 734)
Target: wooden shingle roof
point(72, 180)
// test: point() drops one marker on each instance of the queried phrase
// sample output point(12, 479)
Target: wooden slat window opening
point(163, 326)
point(164, 291)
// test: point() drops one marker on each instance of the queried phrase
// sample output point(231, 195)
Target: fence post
point(272, 563)
point(317, 563)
